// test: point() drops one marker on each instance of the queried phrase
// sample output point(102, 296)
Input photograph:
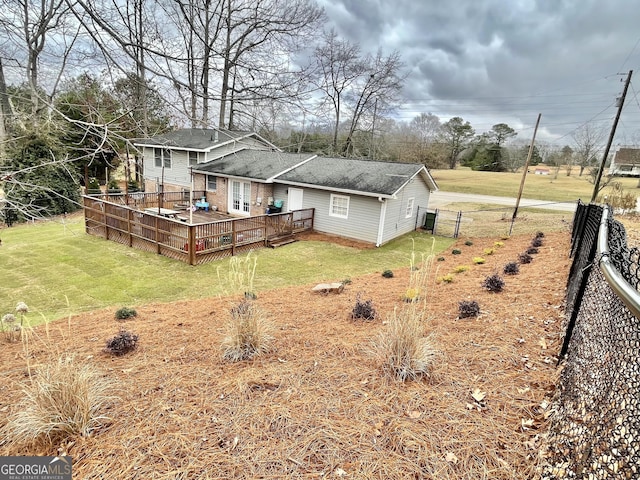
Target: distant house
point(541, 171)
point(244, 175)
point(625, 162)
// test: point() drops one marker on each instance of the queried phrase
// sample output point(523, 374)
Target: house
point(625, 162)
point(244, 175)
point(541, 171)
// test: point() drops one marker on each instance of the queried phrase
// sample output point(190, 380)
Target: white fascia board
point(428, 179)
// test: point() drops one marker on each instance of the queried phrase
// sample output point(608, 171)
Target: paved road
point(440, 199)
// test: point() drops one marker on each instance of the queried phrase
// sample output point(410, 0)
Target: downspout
point(383, 214)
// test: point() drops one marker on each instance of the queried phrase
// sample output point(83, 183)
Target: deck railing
point(194, 244)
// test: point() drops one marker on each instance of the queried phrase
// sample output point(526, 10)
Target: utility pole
point(596, 184)
point(524, 173)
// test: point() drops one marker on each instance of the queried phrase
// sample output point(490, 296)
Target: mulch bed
point(319, 406)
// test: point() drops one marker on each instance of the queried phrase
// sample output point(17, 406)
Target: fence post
point(458, 219)
point(191, 244)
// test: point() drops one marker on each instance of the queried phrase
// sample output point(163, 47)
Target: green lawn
point(58, 270)
point(560, 188)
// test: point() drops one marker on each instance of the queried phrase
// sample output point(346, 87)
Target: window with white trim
point(212, 183)
point(162, 157)
point(339, 206)
point(409, 210)
point(193, 158)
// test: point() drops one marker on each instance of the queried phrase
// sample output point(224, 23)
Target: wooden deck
point(210, 236)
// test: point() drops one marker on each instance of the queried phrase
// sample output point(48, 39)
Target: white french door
point(240, 197)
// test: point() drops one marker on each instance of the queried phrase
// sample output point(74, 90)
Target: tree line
point(79, 79)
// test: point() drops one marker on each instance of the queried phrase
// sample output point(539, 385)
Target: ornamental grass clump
point(123, 343)
point(363, 310)
point(468, 309)
point(493, 283)
point(403, 350)
point(61, 400)
point(511, 268)
point(478, 260)
point(248, 333)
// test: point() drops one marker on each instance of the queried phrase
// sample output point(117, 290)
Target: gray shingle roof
point(254, 164)
point(192, 138)
point(366, 176)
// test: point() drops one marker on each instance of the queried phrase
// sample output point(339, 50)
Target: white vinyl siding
point(339, 206)
point(396, 222)
point(409, 210)
point(178, 175)
point(364, 213)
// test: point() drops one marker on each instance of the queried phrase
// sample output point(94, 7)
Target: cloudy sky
point(505, 61)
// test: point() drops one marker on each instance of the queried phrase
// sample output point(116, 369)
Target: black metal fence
point(594, 428)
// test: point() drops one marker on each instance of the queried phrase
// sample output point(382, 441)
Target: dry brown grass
point(248, 333)
point(60, 401)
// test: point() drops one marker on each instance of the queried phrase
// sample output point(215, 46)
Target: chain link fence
point(594, 430)
point(490, 222)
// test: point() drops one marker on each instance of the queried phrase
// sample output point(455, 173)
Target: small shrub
point(488, 251)
point(525, 258)
point(448, 278)
point(403, 351)
point(411, 295)
point(455, 251)
point(468, 243)
point(64, 399)
point(346, 281)
point(537, 242)
point(532, 250)
point(493, 283)
point(441, 259)
point(478, 260)
point(461, 269)
point(387, 274)
point(113, 186)
point(511, 268)
point(124, 342)
point(468, 309)
point(539, 235)
point(125, 313)
point(247, 333)
point(504, 237)
point(363, 310)
point(498, 244)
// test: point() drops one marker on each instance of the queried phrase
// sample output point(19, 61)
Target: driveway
point(440, 199)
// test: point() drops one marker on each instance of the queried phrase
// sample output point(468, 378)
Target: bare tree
point(588, 142)
point(339, 66)
point(374, 92)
